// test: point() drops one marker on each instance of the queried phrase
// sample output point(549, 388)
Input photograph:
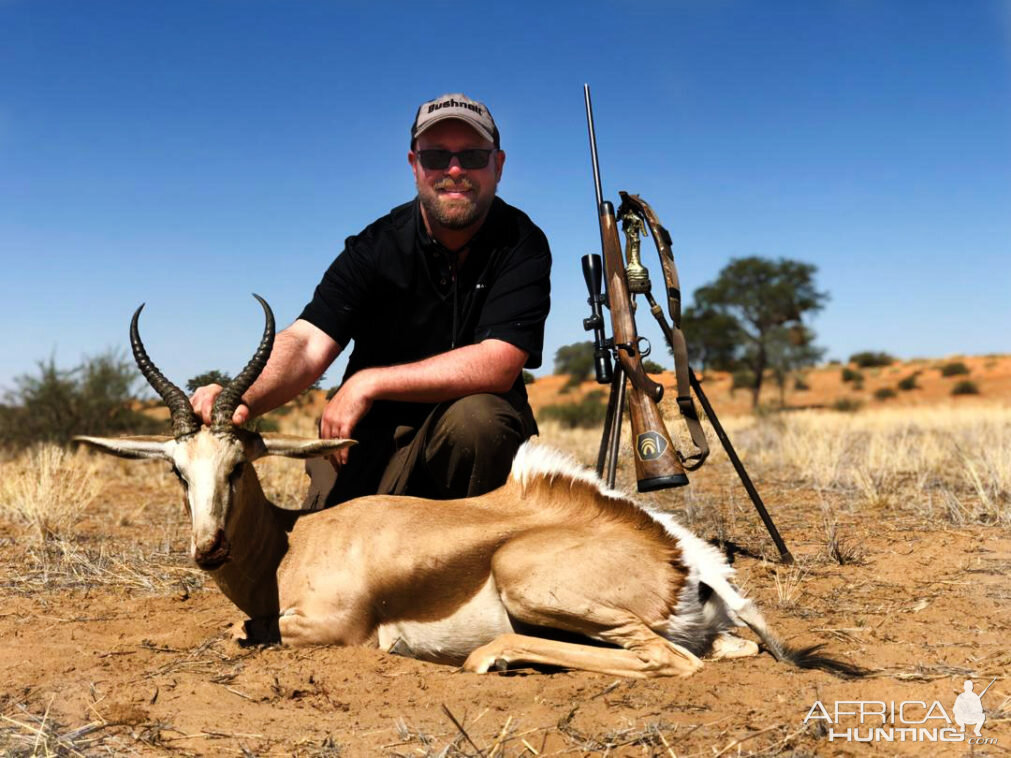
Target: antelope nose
point(213, 555)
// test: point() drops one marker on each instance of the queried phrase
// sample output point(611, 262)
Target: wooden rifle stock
point(656, 462)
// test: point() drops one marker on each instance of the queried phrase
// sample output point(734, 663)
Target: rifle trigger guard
point(649, 347)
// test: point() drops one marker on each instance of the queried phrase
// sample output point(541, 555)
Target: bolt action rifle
point(658, 463)
point(656, 460)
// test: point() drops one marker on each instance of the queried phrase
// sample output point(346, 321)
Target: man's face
point(455, 197)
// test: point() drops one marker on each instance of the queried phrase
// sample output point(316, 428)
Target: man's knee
point(480, 422)
point(470, 449)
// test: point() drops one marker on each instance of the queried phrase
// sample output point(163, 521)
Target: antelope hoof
point(731, 646)
point(482, 661)
point(237, 632)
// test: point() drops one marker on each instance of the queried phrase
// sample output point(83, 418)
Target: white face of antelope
point(215, 467)
point(210, 466)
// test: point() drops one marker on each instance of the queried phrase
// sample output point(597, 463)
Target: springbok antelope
point(550, 569)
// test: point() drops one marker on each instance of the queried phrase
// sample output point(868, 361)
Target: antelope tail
point(803, 657)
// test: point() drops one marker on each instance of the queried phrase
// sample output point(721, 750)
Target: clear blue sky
point(187, 153)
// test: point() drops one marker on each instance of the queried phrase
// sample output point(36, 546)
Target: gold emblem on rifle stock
point(650, 445)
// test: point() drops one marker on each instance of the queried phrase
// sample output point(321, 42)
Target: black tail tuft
point(811, 658)
point(802, 657)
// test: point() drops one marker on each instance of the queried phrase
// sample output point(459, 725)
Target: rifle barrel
point(593, 146)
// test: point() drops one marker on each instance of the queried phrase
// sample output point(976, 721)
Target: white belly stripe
point(450, 640)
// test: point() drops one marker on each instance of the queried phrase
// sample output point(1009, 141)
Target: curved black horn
point(231, 396)
point(184, 420)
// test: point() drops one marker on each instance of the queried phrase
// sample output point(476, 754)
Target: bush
point(652, 367)
point(909, 383)
point(965, 387)
point(871, 359)
point(528, 378)
point(587, 413)
point(571, 383)
point(96, 397)
point(955, 368)
point(846, 405)
point(884, 393)
point(743, 378)
point(851, 375)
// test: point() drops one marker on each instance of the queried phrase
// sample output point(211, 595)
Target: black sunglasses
point(474, 158)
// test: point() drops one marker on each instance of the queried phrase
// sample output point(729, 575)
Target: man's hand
point(346, 409)
point(203, 403)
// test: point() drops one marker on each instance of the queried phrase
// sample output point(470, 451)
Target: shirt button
point(442, 281)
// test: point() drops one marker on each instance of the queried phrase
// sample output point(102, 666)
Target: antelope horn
point(184, 420)
point(231, 396)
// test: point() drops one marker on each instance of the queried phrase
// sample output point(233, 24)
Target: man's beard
point(452, 213)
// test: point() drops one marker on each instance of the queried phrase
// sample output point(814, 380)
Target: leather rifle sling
point(675, 337)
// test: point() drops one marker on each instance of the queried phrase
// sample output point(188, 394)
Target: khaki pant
point(463, 448)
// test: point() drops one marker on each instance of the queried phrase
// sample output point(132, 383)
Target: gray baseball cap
point(460, 107)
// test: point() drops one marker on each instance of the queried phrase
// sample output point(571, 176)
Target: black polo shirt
point(400, 297)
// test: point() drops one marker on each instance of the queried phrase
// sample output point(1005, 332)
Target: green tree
point(713, 338)
point(208, 377)
point(576, 360)
point(761, 296)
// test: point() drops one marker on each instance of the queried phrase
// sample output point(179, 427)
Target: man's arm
point(489, 366)
point(301, 354)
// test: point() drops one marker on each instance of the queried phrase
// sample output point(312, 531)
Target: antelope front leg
point(654, 657)
point(259, 631)
point(345, 627)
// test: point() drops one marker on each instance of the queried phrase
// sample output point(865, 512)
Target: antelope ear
point(153, 446)
point(302, 447)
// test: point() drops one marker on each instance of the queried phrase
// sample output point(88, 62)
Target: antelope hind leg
point(544, 580)
point(655, 657)
point(728, 645)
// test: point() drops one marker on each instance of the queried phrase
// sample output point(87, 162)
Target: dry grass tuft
point(841, 550)
point(23, 733)
point(789, 585)
point(48, 489)
point(65, 564)
point(60, 498)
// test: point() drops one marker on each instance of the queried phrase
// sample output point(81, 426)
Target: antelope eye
point(237, 471)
